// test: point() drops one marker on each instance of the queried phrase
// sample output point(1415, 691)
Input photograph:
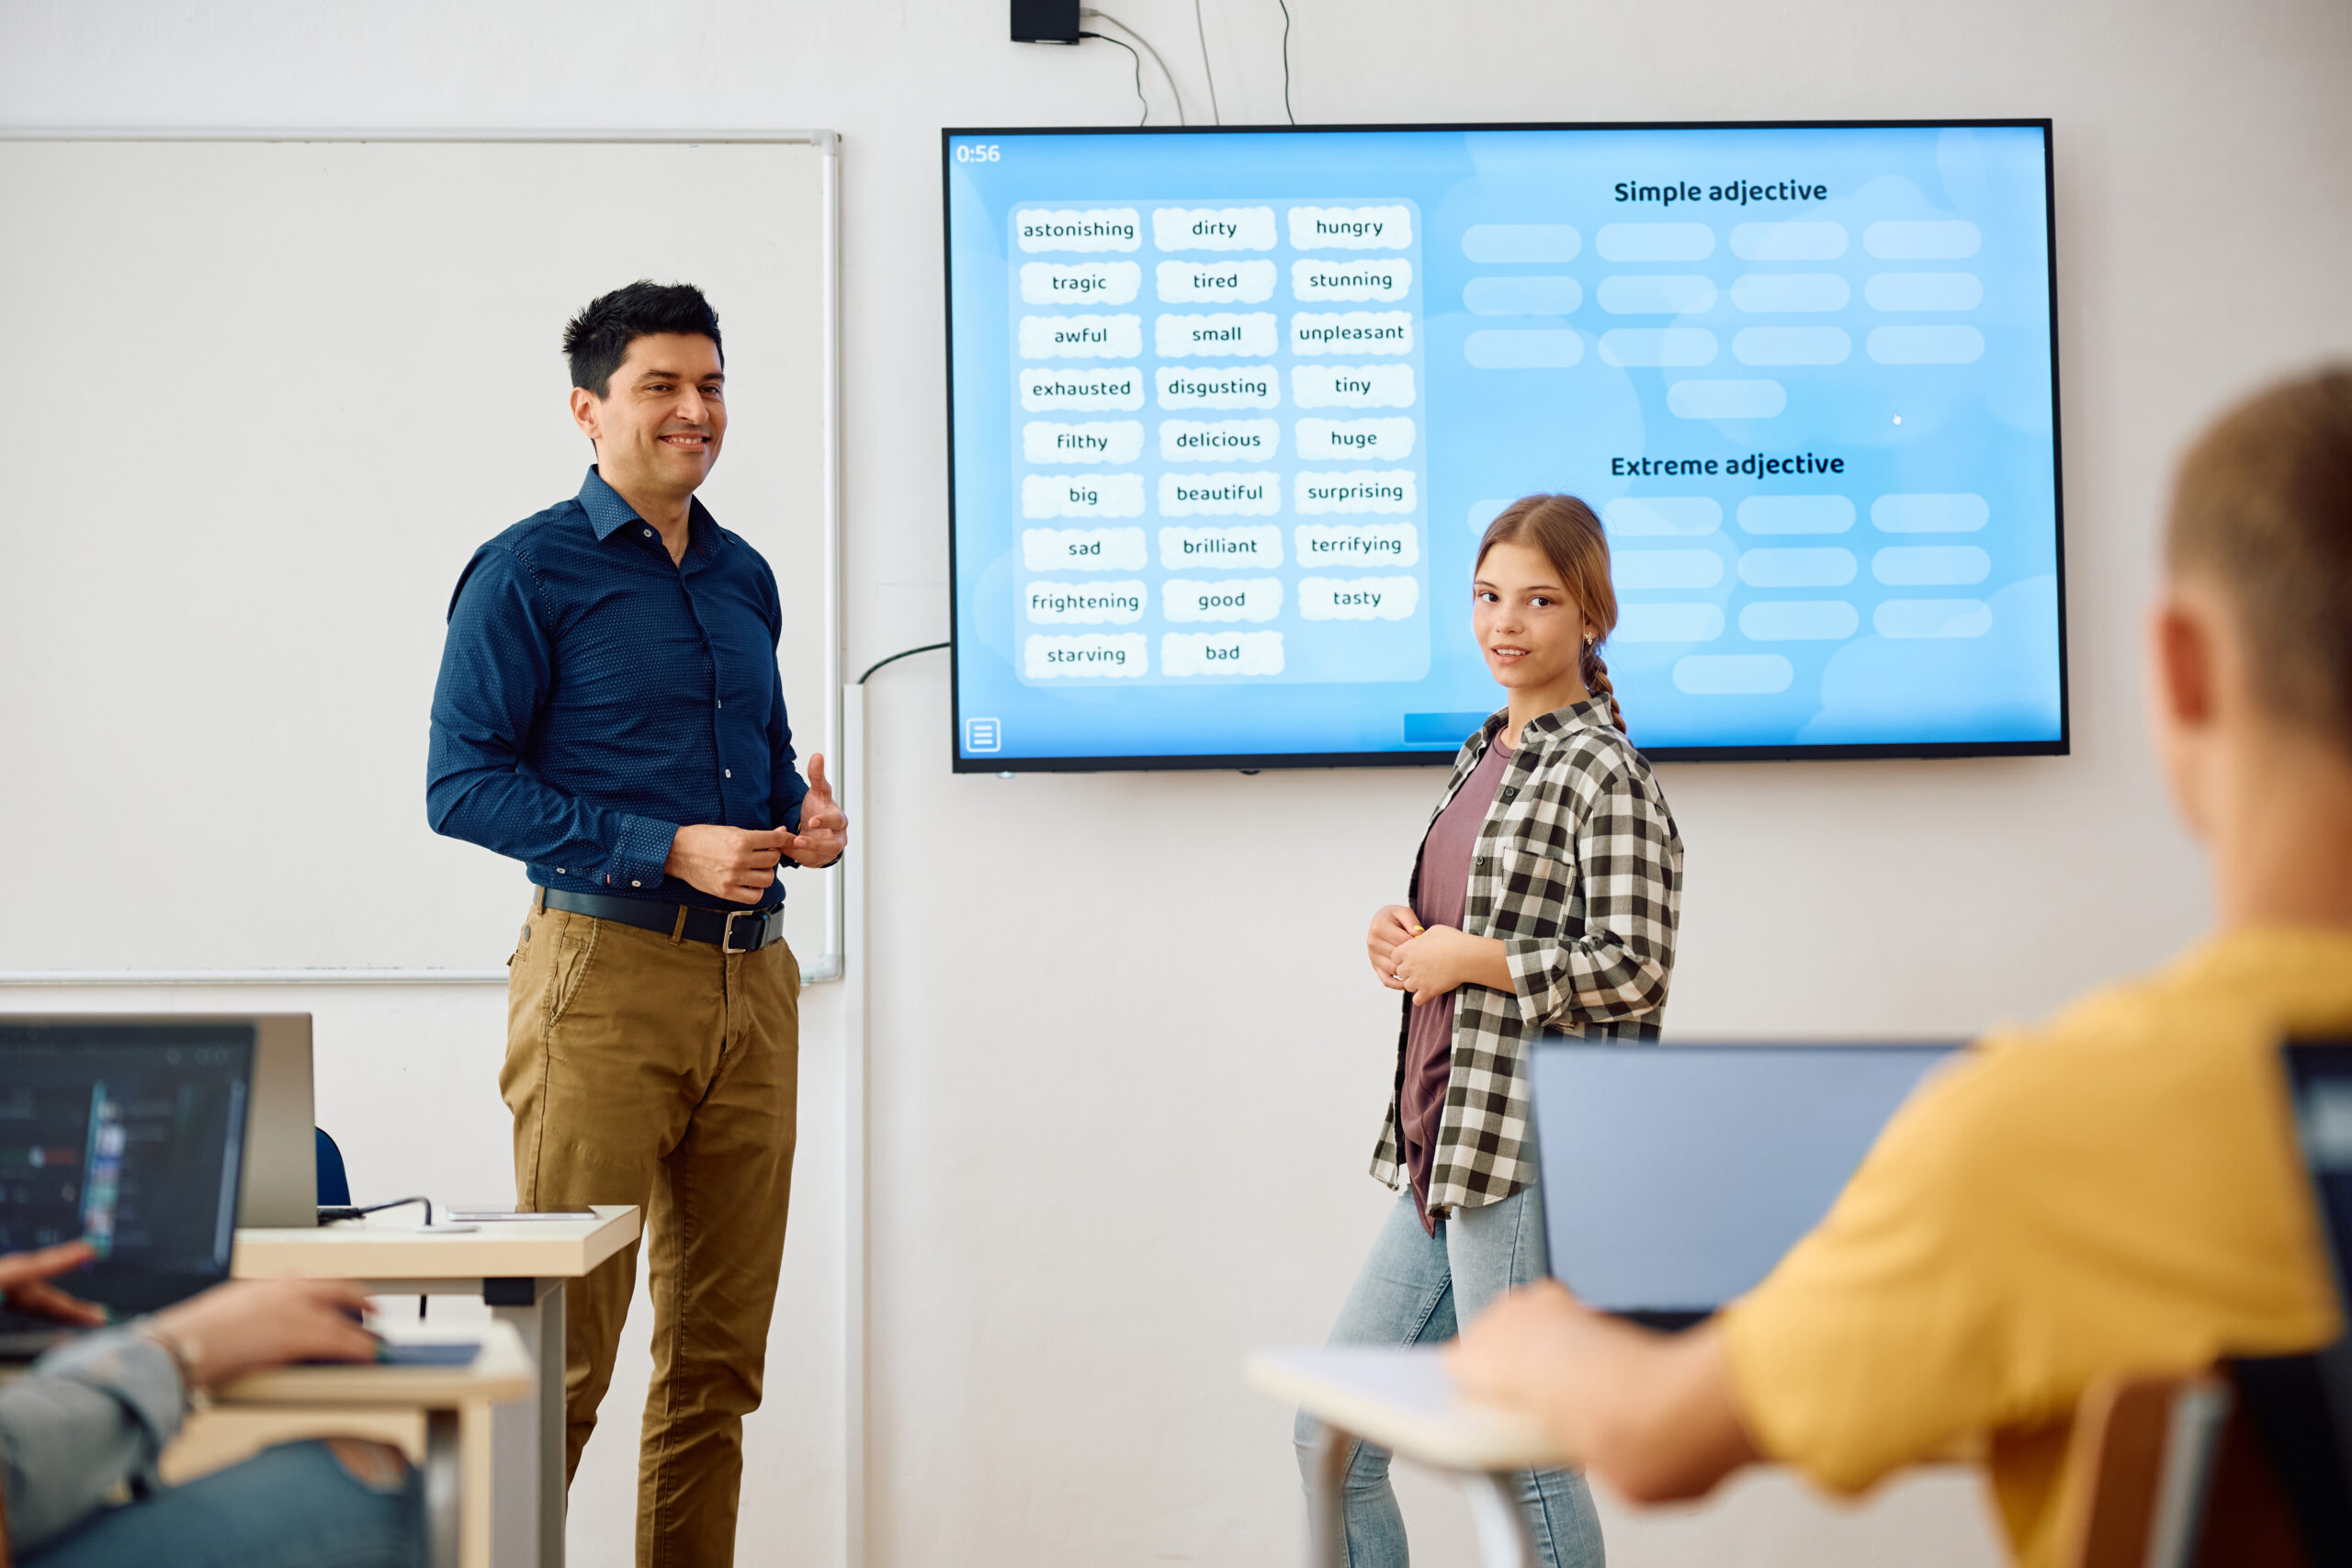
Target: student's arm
point(97, 1412)
point(1653, 1415)
point(89, 1418)
point(1439, 958)
point(66, 1440)
point(497, 668)
point(1955, 1288)
point(1618, 967)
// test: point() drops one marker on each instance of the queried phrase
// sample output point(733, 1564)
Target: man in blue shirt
point(610, 712)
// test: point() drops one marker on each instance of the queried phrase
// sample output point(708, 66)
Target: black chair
point(334, 1182)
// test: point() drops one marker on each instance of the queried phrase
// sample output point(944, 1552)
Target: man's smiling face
point(659, 426)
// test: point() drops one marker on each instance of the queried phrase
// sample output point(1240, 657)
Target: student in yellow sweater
point(2115, 1191)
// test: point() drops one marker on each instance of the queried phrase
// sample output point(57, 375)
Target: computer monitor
point(2301, 1405)
point(1230, 410)
point(282, 1183)
point(1675, 1176)
point(131, 1136)
point(2319, 1079)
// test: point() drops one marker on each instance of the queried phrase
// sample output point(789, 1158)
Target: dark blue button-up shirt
point(595, 698)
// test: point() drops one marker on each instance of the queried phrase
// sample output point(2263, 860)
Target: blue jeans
point(1414, 1289)
point(294, 1506)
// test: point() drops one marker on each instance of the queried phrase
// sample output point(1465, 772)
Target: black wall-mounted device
point(1045, 21)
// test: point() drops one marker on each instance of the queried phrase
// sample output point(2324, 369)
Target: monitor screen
point(130, 1136)
point(1675, 1176)
point(1230, 410)
point(2320, 1078)
point(2302, 1405)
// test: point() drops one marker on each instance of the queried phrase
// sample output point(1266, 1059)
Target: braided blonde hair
point(1570, 537)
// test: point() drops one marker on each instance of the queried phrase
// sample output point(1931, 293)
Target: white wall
point(1127, 1063)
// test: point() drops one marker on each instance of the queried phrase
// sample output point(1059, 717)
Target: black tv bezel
point(1436, 756)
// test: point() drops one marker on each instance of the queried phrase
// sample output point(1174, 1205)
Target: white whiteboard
point(265, 398)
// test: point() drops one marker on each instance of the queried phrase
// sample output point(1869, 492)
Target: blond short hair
point(2263, 507)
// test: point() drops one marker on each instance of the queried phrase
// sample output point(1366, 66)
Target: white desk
point(519, 1268)
point(456, 1406)
point(1403, 1399)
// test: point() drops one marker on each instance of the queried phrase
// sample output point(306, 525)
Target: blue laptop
point(1674, 1177)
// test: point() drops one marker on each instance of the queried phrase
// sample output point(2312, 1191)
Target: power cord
point(1106, 37)
point(331, 1213)
point(1201, 32)
point(328, 1214)
point(1287, 108)
point(1174, 91)
point(929, 646)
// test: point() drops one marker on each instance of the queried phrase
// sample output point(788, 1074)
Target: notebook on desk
point(1674, 1177)
point(131, 1137)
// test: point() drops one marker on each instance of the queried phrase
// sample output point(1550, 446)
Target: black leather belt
point(730, 931)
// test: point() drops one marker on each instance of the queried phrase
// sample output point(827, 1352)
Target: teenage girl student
point(1545, 897)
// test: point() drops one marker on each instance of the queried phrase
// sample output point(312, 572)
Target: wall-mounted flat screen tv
point(1230, 409)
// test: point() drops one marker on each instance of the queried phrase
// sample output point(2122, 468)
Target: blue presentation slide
point(1230, 410)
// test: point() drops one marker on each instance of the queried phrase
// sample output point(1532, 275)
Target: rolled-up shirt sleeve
point(1616, 967)
point(89, 1417)
point(497, 668)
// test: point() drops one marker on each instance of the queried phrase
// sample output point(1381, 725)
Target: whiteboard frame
point(831, 963)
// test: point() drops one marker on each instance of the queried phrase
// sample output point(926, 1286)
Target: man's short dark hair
point(597, 339)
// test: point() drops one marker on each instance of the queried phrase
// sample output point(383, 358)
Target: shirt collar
point(1586, 715)
point(607, 511)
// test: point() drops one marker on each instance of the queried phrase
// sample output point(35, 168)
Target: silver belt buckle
point(726, 933)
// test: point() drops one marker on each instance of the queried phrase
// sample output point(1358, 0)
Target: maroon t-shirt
point(1440, 888)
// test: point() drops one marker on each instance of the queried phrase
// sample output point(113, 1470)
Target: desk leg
point(551, 1422)
point(1503, 1539)
point(1327, 1500)
point(443, 1488)
point(527, 1528)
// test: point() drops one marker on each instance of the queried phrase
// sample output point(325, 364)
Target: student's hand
point(1653, 1415)
point(824, 831)
point(249, 1325)
point(25, 1284)
point(1394, 924)
point(734, 863)
point(1437, 961)
point(1512, 1354)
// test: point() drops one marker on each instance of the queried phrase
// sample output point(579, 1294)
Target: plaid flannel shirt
point(1578, 870)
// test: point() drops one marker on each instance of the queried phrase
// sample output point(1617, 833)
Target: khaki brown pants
point(643, 1068)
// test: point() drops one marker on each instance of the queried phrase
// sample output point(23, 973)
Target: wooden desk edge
point(500, 1374)
point(1481, 1438)
point(524, 1249)
point(608, 1239)
point(1507, 1444)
